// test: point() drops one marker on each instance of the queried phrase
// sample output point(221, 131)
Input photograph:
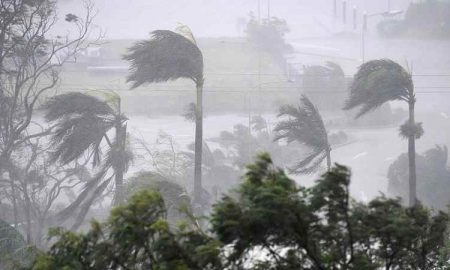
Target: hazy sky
point(136, 18)
point(316, 37)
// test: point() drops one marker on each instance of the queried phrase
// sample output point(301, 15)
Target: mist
point(107, 99)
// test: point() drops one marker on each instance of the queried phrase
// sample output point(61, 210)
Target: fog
point(220, 18)
point(316, 36)
point(246, 62)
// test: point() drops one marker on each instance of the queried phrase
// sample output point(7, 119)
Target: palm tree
point(380, 81)
point(82, 123)
point(305, 126)
point(170, 56)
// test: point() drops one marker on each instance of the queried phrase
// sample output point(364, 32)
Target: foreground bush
point(268, 223)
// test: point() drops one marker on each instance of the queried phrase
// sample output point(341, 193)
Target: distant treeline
point(427, 19)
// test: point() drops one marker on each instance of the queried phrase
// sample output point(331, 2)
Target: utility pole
point(344, 12)
point(364, 26)
point(259, 78)
point(363, 37)
point(334, 9)
point(259, 11)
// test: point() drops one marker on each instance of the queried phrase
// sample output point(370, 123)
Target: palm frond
point(166, 56)
point(74, 136)
point(377, 82)
point(309, 164)
point(75, 103)
point(81, 123)
point(304, 125)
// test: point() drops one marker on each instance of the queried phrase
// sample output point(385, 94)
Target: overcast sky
point(136, 18)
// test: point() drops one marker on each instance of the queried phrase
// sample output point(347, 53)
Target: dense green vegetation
point(64, 157)
point(267, 223)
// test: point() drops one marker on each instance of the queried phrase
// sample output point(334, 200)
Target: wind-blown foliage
point(380, 81)
point(321, 227)
point(81, 126)
point(176, 199)
point(305, 126)
point(267, 223)
point(31, 57)
point(377, 82)
point(169, 56)
point(82, 122)
point(75, 103)
point(135, 236)
point(166, 56)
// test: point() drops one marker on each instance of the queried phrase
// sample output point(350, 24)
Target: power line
point(270, 74)
point(298, 90)
point(104, 87)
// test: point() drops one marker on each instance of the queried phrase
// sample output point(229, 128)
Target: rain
point(224, 134)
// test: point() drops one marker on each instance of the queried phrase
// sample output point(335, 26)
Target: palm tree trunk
point(118, 178)
point(412, 156)
point(27, 212)
point(329, 160)
point(121, 137)
point(14, 203)
point(198, 143)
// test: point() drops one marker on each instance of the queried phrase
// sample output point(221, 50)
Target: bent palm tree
point(380, 81)
point(305, 126)
point(170, 56)
point(82, 124)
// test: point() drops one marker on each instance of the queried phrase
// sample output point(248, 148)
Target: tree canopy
point(377, 82)
point(269, 222)
point(304, 125)
point(166, 56)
